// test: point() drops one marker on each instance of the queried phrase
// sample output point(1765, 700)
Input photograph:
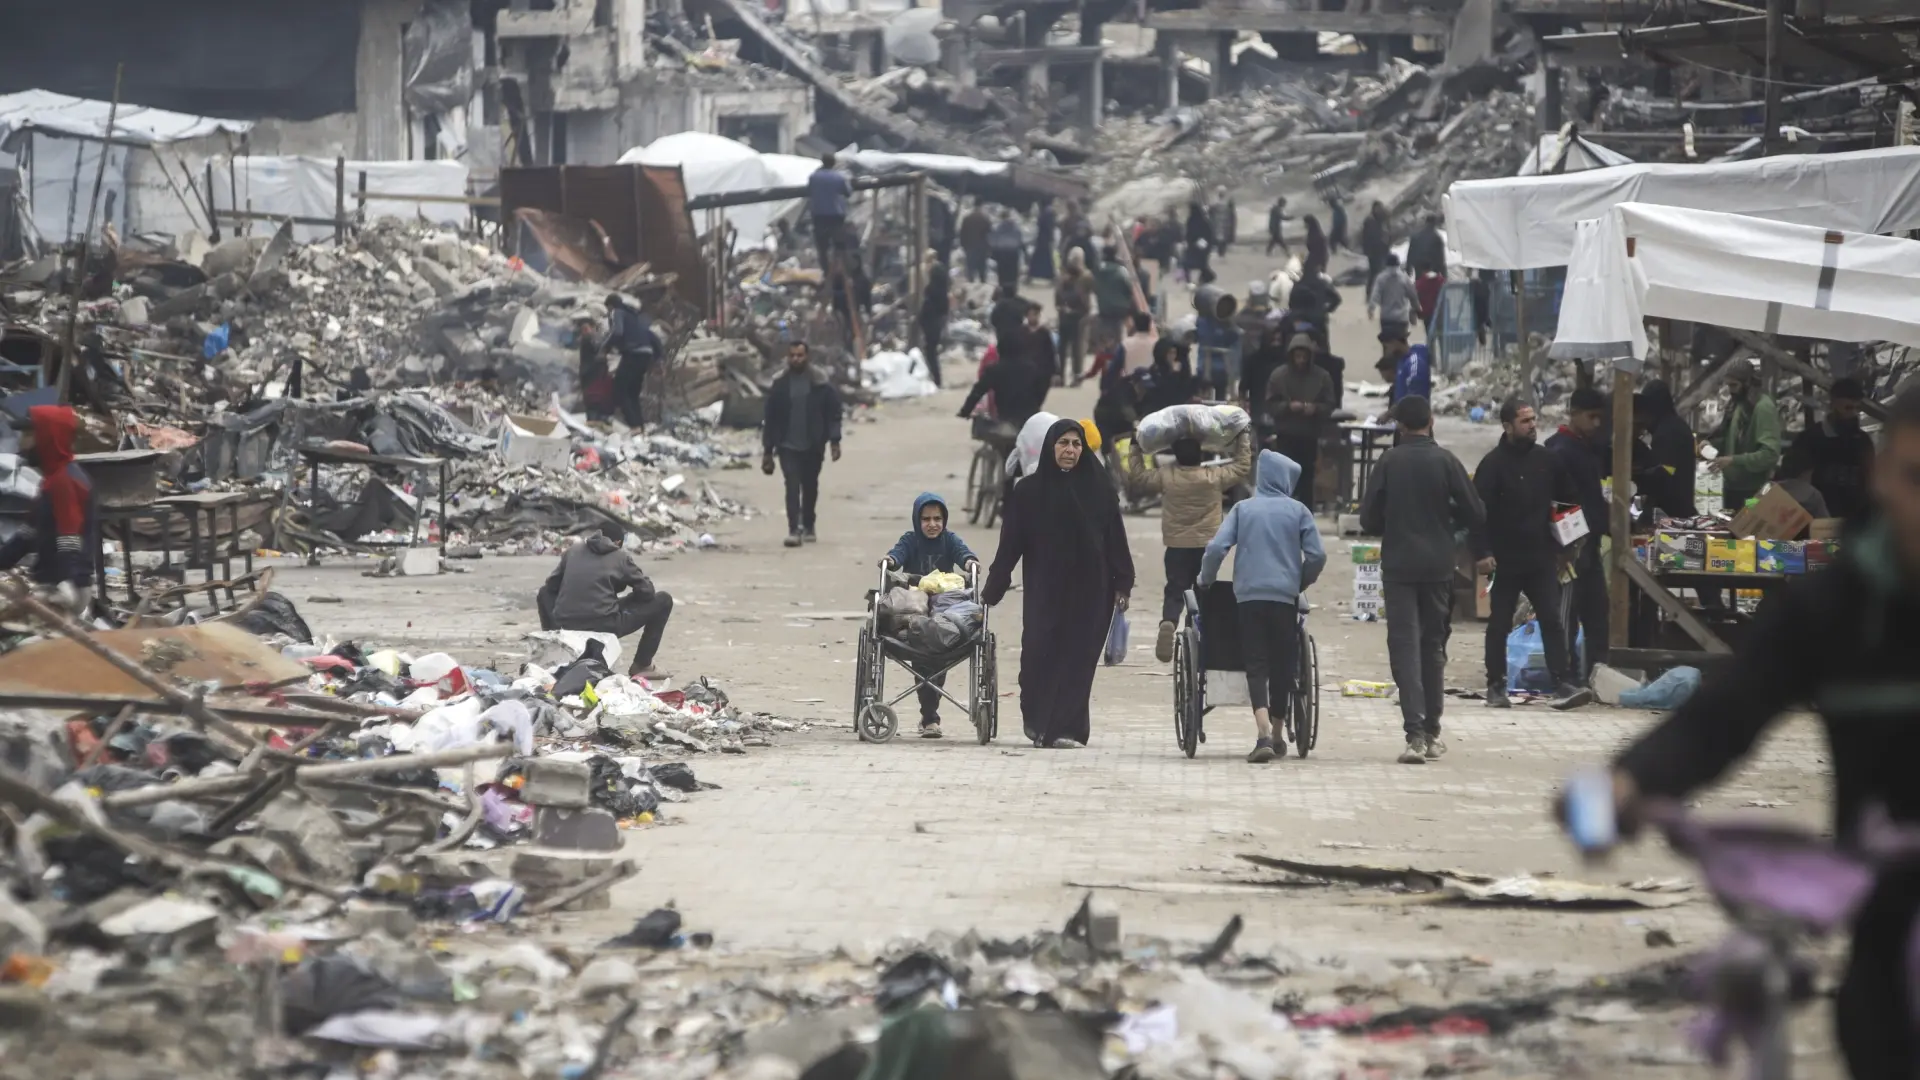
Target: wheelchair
point(1208, 672)
point(875, 719)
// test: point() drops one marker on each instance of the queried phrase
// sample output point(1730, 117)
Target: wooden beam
point(1213, 20)
point(1758, 343)
point(1671, 604)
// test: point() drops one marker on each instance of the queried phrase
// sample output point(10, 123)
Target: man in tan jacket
point(1190, 495)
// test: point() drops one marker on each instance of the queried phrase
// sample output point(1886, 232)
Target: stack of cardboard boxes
point(1758, 542)
point(1369, 601)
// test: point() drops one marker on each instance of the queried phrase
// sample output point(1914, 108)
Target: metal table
point(1368, 448)
point(317, 456)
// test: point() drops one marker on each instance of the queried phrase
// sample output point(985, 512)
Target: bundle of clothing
point(929, 623)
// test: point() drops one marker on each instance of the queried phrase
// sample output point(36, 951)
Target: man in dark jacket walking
point(585, 592)
point(1519, 481)
point(1846, 643)
point(1373, 241)
point(801, 425)
point(1299, 401)
point(973, 241)
point(1418, 497)
point(1427, 249)
point(1587, 459)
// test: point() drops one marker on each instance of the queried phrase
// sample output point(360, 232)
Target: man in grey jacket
point(1418, 499)
point(1300, 399)
point(585, 592)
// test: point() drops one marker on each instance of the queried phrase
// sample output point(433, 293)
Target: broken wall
point(659, 104)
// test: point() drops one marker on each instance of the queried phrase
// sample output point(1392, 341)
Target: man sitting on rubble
point(585, 592)
point(631, 334)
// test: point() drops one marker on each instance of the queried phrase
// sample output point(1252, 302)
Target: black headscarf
point(1076, 503)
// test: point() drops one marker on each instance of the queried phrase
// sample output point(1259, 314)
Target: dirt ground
point(824, 841)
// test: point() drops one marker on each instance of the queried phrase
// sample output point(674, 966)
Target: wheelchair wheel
point(877, 723)
point(980, 484)
point(1186, 691)
point(1303, 720)
point(986, 693)
point(862, 674)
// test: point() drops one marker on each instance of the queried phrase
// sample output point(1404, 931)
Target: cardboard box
point(1821, 554)
point(1774, 515)
point(1365, 552)
point(1731, 556)
point(1680, 551)
point(1569, 525)
point(531, 440)
point(1781, 556)
point(1824, 528)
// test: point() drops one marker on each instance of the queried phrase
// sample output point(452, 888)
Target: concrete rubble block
point(419, 562)
point(235, 255)
point(311, 834)
point(368, 916)
point(562, 784)
point(441, 279)
point(258, 850)
point(544, 873)
point(607, 975)
point(592, 829)
point(135, 311)
point(165, 923)
point(23, 1008)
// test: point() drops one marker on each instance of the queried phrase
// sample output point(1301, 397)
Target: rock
point(606, 975)
point(367, 916)
point(164, 922)
point(135, 311)
point(577, 830)
point(23, 1008)
point(441, 279)
point(563, 784)
point(419, 562)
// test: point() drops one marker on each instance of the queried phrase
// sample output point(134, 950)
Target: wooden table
point(317, 456)
point(1366, 439)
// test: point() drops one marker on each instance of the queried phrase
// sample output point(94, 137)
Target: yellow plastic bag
point(942, 581)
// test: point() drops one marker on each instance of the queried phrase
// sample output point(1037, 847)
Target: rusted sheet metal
point(639, 212)
point(209, 653)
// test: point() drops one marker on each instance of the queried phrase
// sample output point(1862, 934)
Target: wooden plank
point(1787, 360)
point(1212, 20)
point(1651, 659)
point(1671, 604)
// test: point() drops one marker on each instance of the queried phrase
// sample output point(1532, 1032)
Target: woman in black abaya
point(1064, 522)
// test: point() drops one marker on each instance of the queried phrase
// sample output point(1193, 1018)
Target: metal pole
point(917, 266)
point(1770, 114)
point(340, 201)
point(70, 354)
point(1520, 332)
point(1621, 517)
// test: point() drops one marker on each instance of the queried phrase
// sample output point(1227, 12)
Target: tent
point(712, 165)
point(1560, 154)
point(1640, 261)
point(1526, 222)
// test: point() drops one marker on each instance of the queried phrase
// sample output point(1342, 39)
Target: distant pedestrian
point(1337, 239)
point(828, 192)
point(1299, 402)
point(1427, 249)
point(596, 377)
point(1666, 474)
point(1113, 287)
point(1315, 263)
point(1040, 260)
point(1276, 227)
point(1312, 303)
point(1278, 555)
point(1418, 498)
point(974, 229)
point(1394, 297)
point(1007, 245)
point(1226, 219)
point(935, 305)
point(1063, 523)
point(801, 426)
point(1408, 367)
point(1748, 441)
point(1373, 241)
point(1076, 232)
point(1519, 481)
point(1840, 454)
point(1201, 240)
point(1072, 306)
point(630, 333)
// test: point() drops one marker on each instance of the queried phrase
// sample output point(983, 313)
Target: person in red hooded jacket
point(61, 531)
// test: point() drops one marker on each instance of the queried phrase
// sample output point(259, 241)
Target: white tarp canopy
point(1527, 222)
point(1559, 154)
point(1732, 270)
point(304, 187)
point(881, 161)
point(58, 114)
point(712, 165)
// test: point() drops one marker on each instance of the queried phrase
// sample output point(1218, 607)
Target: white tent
point(712, 165)
point(1732, 270)
point(1560, 154)
point(1526, 222)
point(59, 114)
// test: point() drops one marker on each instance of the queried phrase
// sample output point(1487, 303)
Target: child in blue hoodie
point(924, 549)
point(1280, 555)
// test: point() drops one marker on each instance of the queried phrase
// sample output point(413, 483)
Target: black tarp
point(234, 59)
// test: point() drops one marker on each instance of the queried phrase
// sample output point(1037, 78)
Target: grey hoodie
point(1280, 549)
point(585, 588)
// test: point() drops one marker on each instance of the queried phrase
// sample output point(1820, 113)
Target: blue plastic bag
point(1669, 691)
point(215, 343)
point(1527, 658)
point(1116, 650)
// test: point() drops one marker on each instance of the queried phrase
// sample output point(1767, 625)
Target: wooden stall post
point(1621, 517)
point(917, 263)
point(340, 201)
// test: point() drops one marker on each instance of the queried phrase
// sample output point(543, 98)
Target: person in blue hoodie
point(924, 549)
point(1280, 555)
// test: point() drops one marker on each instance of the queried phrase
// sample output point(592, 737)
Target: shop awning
point(135, 125)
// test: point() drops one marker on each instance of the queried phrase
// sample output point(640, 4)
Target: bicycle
point(986, 476)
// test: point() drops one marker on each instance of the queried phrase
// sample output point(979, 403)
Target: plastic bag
point(942, 581)
point(1669, 691)
point(901, 604)
point(1116, 650)
point(1527, 657)
point(1215, 426)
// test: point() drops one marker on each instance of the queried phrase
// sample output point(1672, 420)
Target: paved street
point(823, 840)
